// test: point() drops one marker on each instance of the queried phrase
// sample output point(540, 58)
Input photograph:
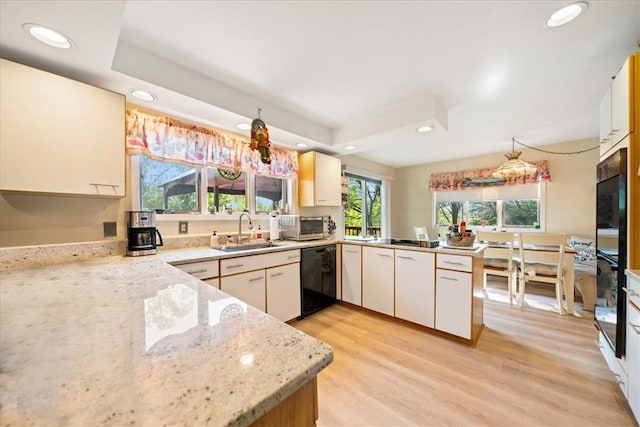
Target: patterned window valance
point(170, 140)
point(483, 177)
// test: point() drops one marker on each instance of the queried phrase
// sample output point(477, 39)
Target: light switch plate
point(183, 227)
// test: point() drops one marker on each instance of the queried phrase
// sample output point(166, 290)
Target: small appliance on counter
point(296, 227)
point(142, 233)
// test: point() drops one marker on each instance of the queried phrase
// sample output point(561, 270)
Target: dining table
point(568, 266)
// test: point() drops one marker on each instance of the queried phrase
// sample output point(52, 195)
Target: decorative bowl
point(460, 240)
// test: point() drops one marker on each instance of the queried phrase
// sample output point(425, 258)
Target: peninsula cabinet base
point(299, 409)
point(478, 324)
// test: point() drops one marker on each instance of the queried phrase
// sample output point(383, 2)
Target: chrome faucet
point(240, 224)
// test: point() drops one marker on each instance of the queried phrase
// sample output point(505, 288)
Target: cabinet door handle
point(630, 292)
point(276, 274)
point(384, 255)
point(352, 252)
point(614, 131)
point(405, 257)
point(235, 266)
point(322, 200)
point(619, 378)
point(255, 279)
point(292, 256)
point(204, 270)
point(449, 278)
point(452, 262)
point(636, 328)
point(96, 184)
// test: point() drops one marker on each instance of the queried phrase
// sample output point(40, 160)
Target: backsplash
point(32, 256)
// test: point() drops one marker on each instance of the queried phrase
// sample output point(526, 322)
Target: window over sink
point(176, 188)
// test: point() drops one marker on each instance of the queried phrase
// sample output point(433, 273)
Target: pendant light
point(514, 167)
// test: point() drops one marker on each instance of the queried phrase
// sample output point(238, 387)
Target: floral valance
point(170, 140)
point(483, 177)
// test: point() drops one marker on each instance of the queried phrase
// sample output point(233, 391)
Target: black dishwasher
point(317, 279)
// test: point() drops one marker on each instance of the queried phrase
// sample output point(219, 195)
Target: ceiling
point(338, 73)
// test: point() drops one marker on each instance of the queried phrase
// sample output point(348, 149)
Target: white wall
point(570, 204)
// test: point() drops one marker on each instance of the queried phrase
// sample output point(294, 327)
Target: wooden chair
point(498, 261)
point(541, 260)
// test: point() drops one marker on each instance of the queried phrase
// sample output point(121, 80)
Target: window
point(181, 189)
point(168, 186)
point(513, 207)
point(270, 193)
point(364, 216)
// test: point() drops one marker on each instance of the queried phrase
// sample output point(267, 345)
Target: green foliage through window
point(364, 216)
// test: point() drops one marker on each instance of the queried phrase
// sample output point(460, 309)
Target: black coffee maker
point(142, 233)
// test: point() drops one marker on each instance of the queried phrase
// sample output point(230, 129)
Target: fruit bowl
point(460, 240)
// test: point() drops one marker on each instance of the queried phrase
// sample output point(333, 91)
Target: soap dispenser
point(215, 240)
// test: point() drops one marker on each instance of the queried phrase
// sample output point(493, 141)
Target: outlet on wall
point(183, 227)
point(109, 229)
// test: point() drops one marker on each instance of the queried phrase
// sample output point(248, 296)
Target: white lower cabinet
point(378, 279)
point(352, 274)
point(248, 287)
point(454, 293)
point(415, 289)
point(633, 346)
point(270, 282)
point(283, 292)
point(207, 271)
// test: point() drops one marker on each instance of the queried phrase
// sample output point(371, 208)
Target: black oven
point(611, 245)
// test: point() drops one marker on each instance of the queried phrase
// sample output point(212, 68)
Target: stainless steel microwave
point(296, 227)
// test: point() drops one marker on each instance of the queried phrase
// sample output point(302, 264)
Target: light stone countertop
point(135, 341)
point(120, 340)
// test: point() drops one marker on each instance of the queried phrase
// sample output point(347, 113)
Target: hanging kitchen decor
point(260, 139)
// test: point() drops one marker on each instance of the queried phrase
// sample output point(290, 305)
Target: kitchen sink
point(247, 247)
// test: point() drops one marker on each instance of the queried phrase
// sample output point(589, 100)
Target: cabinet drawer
point(256, 262)
point(201, 270)
point(454, 262)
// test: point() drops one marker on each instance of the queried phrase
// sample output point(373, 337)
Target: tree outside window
point(364, 216)
point(449, 212)
point(520, 213)
point(483, 213)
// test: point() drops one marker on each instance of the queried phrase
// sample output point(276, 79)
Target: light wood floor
point(531, 367)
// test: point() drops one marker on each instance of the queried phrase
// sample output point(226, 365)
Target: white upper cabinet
point(605, 121)
point(59, 135)
point(615, 110)
point(319, 180)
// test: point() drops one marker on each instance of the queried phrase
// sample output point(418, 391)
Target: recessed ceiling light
point(48, 36)
point(143, 95)
point(424, 129)
point(566, 14)
point(243, 126)
point(301, 144)
point(350, 147)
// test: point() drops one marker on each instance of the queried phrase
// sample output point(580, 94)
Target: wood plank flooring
point(531, 367)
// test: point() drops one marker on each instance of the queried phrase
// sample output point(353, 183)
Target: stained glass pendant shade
point(514, 167)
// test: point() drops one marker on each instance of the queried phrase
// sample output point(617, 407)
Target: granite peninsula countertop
point(135, 341)
point(118, 340)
